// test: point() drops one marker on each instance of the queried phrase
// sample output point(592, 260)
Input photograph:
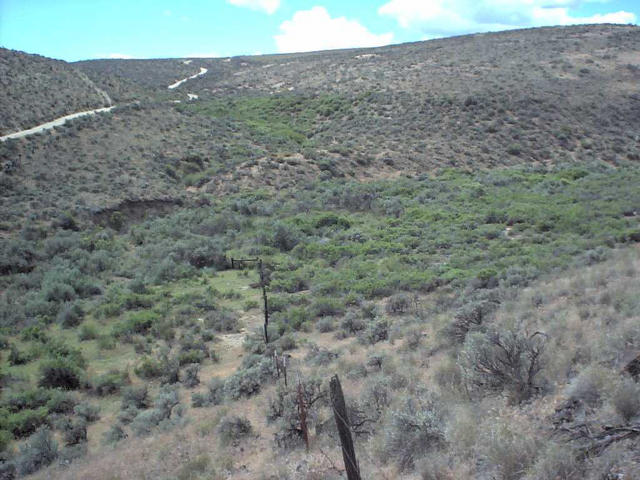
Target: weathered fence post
point(266, 305)
point(277, 362)
point(284, 369)
point(302, 410)
point(344, 429)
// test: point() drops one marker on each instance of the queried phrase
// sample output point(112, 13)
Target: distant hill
point(35, 89)
point(540, 96)
point(149, 73)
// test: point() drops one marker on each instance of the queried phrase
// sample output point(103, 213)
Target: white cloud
point(268, 6)
point(314, 29)
point(446, 17)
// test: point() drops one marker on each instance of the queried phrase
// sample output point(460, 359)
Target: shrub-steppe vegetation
point(474, 286)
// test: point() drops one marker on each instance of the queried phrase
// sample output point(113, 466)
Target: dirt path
point(230, 349)
point(62, 120)
point(180, 82)
point(54, 123)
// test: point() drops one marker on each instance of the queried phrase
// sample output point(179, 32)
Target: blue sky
point(82, 29)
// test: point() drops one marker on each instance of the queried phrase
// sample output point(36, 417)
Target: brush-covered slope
point(35, 89)
point(461, 307)
point(541, 95)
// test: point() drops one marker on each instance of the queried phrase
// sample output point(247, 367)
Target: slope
point(36, 89)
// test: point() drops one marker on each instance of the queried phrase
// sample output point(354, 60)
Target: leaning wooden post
point(266, 306)
point(277, 362)
point(342, 422)
point(302, 410)
point(284, 369)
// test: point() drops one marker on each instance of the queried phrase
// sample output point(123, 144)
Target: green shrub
point(71, 315)
point(106, 342)
point(326, 306)
point(195, 468)
point(114, 434)
point(136, 397)
point(27, 399)
point(556, 461)
point(34, 333)
point(286, 342)
point(74, 432)
point(199, 400)
point(16, 357)
point(137, 323)
point(248, 380)
point(377, 331)
point(294, 318)
point(5, 440)
point(325, 325)
point(590, 385)
point(38, 451)
point(514, 149)
point(191, 356)
point(626, 399)
point(144, 423)
point(503, 362)
point(61, 402)
point(508, 449)
point(221, 320)
point(90, 413)
point(150, 368)
point(233, 429)
point(213, 396)
point(250, 304)
point(414, 430)
point(352, 324)
point(285, 237)
point(165, 403)
point(27, 421)
point(399, 303)
point(57, 348)
point(109, 383)
point(190, 376)
point(88, 331)
point(60, 373)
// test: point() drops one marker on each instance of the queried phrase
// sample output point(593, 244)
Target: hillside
point(450, 226)
point(539, 96)
point(35, 89)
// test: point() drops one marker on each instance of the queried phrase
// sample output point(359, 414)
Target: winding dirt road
point(180, 82)
point(62, 120)
point(54, 123)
